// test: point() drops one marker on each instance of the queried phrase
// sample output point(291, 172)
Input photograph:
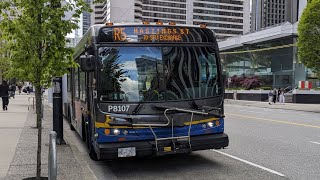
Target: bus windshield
point(134, 74)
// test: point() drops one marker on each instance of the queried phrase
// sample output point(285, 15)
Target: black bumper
point(148, 148)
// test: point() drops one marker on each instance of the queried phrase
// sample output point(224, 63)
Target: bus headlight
point(116, 132)
point(210, 124)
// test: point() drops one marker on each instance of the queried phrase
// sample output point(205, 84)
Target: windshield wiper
point(193, 103)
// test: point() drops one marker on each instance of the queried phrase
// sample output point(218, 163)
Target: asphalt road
point(283, 140)
point(264, 144)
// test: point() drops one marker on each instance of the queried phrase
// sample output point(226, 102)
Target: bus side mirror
point(87, 63)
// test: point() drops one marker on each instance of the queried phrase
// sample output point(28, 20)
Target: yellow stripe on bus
point(201, 121)
point(104, 125)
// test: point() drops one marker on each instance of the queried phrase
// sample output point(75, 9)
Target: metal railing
point(52, 157)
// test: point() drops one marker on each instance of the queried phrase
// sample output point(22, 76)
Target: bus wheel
point(70, 122)
point(92, 153)
point(84, 130)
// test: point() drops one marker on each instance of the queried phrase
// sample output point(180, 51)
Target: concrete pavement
point(11, 125)
point(19, 145)
point(286, 106)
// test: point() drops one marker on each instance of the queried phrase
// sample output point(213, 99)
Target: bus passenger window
point(76, 83)
point(82, 86)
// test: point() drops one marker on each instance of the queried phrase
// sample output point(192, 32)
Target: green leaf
point(309, 37)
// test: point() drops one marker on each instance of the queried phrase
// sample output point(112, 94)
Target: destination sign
point(154, 34)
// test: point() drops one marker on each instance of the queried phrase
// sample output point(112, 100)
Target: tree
point(34, 34)
point(309, 36)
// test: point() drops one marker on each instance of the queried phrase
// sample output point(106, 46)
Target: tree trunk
point(39, 112)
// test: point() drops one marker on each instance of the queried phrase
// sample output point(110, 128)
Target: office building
point(86, 20)
point(227, 18)
point(276, 68)
point(97, 15)
point(267, 13)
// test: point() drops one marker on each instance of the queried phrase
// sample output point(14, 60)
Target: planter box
point(306, 96)
point(248, 95)
point(297, 96)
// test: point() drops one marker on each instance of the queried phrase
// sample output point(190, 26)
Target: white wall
point(302, 5)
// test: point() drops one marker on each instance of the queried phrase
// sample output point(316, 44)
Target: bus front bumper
point(148, 147)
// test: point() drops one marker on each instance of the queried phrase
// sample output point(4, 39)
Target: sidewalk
point(23, 163)
point(288, 106)
point(11, 125)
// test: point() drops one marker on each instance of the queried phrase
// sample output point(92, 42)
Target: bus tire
point(70, 121)
point(84, 130)
point(71, 127)
point(92, 153)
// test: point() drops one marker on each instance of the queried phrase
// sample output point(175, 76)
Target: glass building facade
point(276, 68)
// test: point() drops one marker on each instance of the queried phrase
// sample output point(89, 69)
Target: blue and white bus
point(147, 90)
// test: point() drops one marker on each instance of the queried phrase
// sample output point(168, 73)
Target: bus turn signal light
point(145, 22)
point(217, 123)
point(172, 23)
point(107, 131)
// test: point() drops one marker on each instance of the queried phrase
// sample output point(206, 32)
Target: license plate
point(127, 152)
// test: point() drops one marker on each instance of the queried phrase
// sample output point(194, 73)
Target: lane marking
point(250, 163)
point(273, 120)
point(315, 142)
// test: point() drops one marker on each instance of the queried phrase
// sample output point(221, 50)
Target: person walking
point(278, 95)
point(4, 93)
point(12, 90)
point(274, 96)
point(282, 98)
point(270, 96)
point(19, 88)
point(28, 89)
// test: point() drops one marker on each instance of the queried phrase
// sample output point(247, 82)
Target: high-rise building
point(267, 13)
point(97, 15)
point(226, 17)
point(86, 19)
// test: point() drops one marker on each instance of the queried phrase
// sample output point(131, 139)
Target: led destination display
point(154, 34)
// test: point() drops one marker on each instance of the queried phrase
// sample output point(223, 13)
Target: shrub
point(251, 83)
point(245, 82)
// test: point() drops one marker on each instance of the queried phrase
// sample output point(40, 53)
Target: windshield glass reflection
point(134, 74)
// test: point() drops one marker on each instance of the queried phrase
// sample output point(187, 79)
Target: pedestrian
point(270, 96)
point(282, 98)
point(274, 95)
point(19, 88)
point(12, 90)
point(278, 97)
point(4, 93)
point(28, 89)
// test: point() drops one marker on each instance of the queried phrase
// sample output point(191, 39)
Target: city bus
point(147, 90)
